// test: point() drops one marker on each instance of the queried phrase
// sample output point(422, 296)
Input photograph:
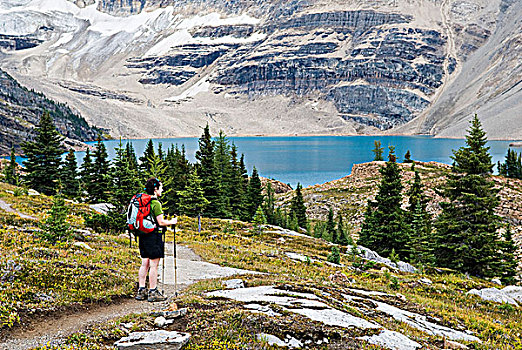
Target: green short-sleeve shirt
point(156, 208)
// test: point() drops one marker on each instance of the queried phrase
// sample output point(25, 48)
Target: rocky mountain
point(21, 109)
point(146, 68)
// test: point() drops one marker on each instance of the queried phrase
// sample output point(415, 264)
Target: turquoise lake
point(313, 160)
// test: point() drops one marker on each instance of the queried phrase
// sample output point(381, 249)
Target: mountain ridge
point(21, 110)
point(163, 68)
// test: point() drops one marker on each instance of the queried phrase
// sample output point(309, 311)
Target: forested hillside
point(20, 110)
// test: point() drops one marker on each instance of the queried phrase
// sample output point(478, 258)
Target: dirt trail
point(52, 329)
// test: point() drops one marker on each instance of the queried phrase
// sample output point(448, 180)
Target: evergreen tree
point(192, 200)
point(420, 244)
point(509, 263)
point(335, 255)
point(298, 207)
point(269, 204)
point(377, 151)
point(44, 156)
point(421, 225)
point(512, 166)
point(242, 184)
point(237, 189)
point(100, 188)
point(466, 237)
point(384, 227)
point(55, 228)
point(330, 226)
point(407, 157)
point(10, 171)
point(255, 194)
point(320, 229)
point(178, 170)
point(69, 176)
point(224, 176)
point(206, 170)
point(126, 181)
point(342, 234)
point(86, 174)
point(131, 157)
point(148, 154)
point(161, 155)
point(292, 223)
point(259, 219)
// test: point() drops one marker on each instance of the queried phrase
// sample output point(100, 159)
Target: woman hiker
point(152, 247)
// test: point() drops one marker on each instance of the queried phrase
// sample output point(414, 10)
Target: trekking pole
point(175, 265)
point(163, 264)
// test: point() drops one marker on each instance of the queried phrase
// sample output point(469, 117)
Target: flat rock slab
point(234, 283)
point(190, 271)
point(312, 307)
point(7, 207)
point(510, 294)
point(417, 321)
point(392, 340)
point(155, 340)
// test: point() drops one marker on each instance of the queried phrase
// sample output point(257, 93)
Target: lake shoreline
point(514, 143)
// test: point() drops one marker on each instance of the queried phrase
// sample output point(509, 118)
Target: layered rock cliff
point(165, 68)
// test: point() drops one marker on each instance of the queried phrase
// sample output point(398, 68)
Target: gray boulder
point(233, 283)
point(101, 208)
point(369, 254)
point(498, 296)
point(155, 340)
point(513, 292)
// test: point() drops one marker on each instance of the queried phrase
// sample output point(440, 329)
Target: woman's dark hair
point(151, 185)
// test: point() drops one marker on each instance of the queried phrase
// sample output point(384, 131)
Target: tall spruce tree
point(224, 176)
point(255, 194)
point(145, 159)
point(384, 227)
point(11, 175)
point(192, 199)
point(342, 234)
point(420, 221)
point(331, 232)
point(178, 170)
point(126, 181)
point(269, 204)
point(131, 157)
point(206, 171)
point(87, 176)
point(99, 190)
point(298, 207)
point(377, 151)
point(466, 230)
point(509, 261)
point(44, 156)
point(69, 176)
point(238, 189)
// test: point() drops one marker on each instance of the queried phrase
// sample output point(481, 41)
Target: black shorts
point(152, 245)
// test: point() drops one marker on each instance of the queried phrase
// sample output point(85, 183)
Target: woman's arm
point(163, 222)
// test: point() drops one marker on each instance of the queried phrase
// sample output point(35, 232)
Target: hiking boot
point(142, 294)
point(155, 295)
